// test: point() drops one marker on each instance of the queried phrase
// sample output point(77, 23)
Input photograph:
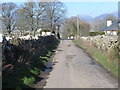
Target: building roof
point(104, 29)
point(114, 26)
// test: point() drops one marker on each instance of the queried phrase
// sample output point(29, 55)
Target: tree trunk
point(34, 33)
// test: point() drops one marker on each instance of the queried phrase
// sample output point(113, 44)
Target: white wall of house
point(46, 33)
point(1, 38)
point(108, 32)
point(109, 23)
point(111, 32)
point(114, 32)
point(71, 37)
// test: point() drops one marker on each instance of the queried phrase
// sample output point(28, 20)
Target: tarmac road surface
point(75, 69)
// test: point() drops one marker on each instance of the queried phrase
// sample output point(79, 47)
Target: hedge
point(96, 33)
point(24, 60)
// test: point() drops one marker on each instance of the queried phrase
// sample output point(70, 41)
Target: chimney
point(109, 23)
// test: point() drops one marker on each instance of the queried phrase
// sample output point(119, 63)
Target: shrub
point(28, 81)
point(25, 59)
point(25, 34)
point(35, 71)
point(109, 59)
point(118, 32)
point(113, 54)
point(96, 33)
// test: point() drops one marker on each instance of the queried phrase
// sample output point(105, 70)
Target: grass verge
point(99, 56)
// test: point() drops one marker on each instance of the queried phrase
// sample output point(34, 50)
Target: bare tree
point(31, 16)
point(29, 10)
point(84, 28)
point(55, 12)
point(39, 13)
point(70, 27)
point(98, 24)
point(9, 16)
point(111, 17)
point(22, 24)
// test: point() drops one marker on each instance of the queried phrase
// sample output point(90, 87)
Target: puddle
point(60, 50)
point(100, 65)
point(46, 73)
point(49, 66)
point(55, 62)
point(70, 56)
point(48, 69)
point(92, 62)
point(69, 45)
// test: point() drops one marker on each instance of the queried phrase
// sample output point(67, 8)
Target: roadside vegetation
point(109, 59)
point(107, 52)
point(25, 51)
point(24, 61)
point(96, 33)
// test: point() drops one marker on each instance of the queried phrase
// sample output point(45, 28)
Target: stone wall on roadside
point(119, 43)
point(102, 42)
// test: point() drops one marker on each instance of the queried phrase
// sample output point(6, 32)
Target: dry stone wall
point(102, 42)
point(119, 43)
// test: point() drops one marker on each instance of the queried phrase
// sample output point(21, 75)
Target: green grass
point(28, 81)
point(45, 58)
point(99, 57)
point(35, 71)
point(26, 74)
point(49, 54)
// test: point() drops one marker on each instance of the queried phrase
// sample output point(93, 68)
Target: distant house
point(111, 28)
point(1, 37)
point(45, 32)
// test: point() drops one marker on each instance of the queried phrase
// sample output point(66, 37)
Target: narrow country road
point(74, 69)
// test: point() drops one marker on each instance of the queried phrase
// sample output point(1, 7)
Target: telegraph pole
point(78, 33)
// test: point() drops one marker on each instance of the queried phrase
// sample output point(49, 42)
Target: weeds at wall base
point(111, 66)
